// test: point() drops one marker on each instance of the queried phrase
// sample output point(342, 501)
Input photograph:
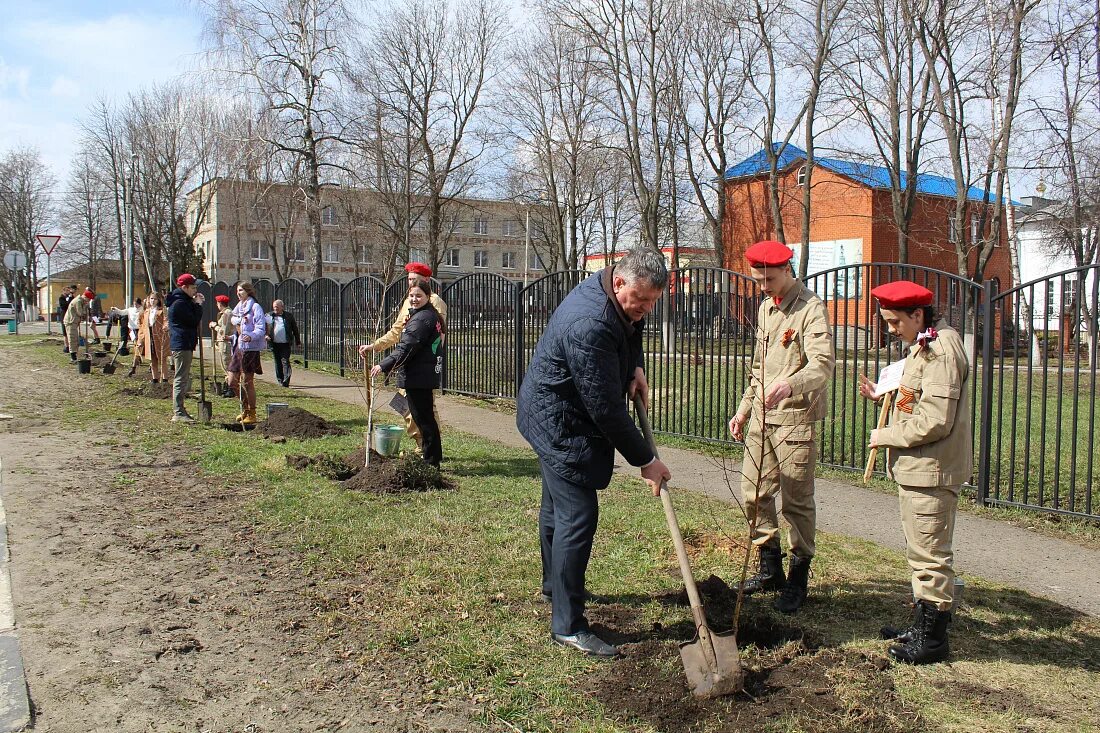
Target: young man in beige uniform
point(792, 366)
point(79, 311)
point(415, 270)
point(929, 452)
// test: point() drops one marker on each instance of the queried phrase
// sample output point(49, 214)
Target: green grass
point(450, 580)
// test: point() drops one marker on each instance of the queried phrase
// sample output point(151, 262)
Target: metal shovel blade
point(724, 677)
point(109, 368)
point(206, 411)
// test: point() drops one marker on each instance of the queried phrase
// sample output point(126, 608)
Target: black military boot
point(901, 635)
point(770, 571)
point(793, 594)
point(929, 643)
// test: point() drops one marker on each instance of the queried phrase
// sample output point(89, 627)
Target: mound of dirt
point(393, 475)
point(328, 466)
point(294, 422)
point(158, 391)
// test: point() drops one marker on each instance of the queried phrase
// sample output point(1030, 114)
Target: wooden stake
point(887, 404)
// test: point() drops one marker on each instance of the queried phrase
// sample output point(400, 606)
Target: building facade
point(254, 230)
point(851, 223)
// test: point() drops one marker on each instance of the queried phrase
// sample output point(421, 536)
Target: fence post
point(340, 320)
point(520, 317)
point(985, 435)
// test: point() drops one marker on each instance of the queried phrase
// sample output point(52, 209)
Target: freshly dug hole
point(158, 391)
point(383, 476)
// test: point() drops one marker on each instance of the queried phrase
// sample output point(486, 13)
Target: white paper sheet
point(889, 379)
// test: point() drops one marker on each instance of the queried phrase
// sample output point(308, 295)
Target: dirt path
point(1048, 567)
point(146, 600)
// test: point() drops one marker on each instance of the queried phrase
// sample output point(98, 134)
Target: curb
point(15, 704)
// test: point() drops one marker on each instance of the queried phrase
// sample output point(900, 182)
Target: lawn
point(451, 580)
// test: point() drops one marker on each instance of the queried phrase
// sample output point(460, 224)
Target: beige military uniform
point(930, 454)
point(78, 312)
point(223, 330)
point(793, 344)
point(390, 339)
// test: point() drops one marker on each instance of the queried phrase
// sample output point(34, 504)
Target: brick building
point(246, 226)
point(850, 221)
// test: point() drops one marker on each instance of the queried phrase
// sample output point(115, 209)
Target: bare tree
point(86, 216)
point(558, 135)
point(290, 54)
point(26, 209)
point(968, 67)
point(636, 51)
point(886, 82)
point(427, 68)
point(709, 103)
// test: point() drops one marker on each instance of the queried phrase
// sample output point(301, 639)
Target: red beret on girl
point(902, 294)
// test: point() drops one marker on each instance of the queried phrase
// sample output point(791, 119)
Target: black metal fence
point(1032, 381)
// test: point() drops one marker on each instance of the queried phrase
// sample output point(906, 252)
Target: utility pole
point(527, 245)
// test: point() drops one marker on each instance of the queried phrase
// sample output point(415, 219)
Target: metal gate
point(1039, 395)
point(481, 318)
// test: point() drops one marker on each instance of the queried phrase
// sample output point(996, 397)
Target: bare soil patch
point(147, 599)
point(294, 422)
point(159, 391)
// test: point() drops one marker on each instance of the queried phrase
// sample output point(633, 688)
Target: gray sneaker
point(182, 418)
point(587, 642)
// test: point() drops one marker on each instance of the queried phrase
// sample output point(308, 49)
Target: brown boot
point(249, 416)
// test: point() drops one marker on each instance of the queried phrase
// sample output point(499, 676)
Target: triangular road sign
point(48, 242)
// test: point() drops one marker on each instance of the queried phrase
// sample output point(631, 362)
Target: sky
point(57, 57)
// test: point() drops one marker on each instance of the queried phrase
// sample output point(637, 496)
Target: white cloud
point(15, 77)
point(63, 86)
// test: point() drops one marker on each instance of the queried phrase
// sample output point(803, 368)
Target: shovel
point(205, 409)
point(711, 662)
point(109, 368)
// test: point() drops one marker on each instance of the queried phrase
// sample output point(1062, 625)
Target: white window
point(450, 258)
point(420, 225)
point(511, 228)
point(365, 255)
point(417, 255)
point(508, 260)
point(1051, 292)
point(481, 225)
point(533, 262)
point(261, 213)
point(481, 258)
point(975, 228)
point(297, 252)
point(952, 230)
point(1070, 292)
point(329, 217)
point(802, 176)
point(260, 250)
point(332, 252)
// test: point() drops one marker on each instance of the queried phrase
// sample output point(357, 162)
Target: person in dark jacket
point(572, 410)
point(282, 334)
point(418, 357)
point(184, 316)
point(66, 297)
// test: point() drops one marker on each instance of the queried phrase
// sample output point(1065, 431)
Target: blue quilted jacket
point(572, 403)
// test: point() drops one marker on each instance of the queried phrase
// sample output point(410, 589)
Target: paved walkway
point(1048, 567)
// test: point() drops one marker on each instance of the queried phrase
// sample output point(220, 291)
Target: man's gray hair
point(643, 265)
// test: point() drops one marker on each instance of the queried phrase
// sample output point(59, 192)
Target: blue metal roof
point(872, 176)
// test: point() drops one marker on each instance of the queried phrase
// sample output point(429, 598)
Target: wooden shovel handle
point(678, 541)
point(887, 404)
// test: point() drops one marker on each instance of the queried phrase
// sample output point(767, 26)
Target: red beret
point(768, 253)
point(185, 279)
point(419, 268)
point(89, 294)
point(902, 294)
point(223, 299)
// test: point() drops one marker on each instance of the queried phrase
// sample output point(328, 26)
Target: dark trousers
point(567, 524)
point(281, 354)
point(423, 414)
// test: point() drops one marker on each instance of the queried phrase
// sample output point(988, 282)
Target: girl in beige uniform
point(929, 453)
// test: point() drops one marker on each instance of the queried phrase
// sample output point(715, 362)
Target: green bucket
point(386, 440)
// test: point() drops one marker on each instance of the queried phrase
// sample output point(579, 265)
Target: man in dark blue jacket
point(184, 315)
point(572, 410)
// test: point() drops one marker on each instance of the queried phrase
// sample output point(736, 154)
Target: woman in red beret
point(929, 453)
point(222, 330)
